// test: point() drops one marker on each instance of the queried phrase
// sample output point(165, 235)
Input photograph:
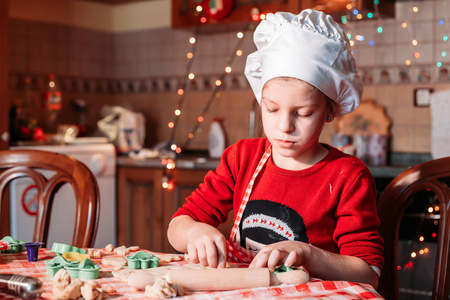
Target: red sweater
point(331, 205)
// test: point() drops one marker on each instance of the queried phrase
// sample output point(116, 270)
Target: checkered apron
point(234, 251)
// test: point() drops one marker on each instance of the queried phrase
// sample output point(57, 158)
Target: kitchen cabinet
point(145, 208)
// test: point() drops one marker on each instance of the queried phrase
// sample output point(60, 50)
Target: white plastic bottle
point(216, 139)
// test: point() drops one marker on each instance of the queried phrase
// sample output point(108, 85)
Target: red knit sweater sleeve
point(357, 221)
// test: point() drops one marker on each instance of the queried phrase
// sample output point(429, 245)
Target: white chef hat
point(309, 46)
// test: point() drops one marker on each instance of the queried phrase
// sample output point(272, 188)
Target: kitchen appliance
point(101, 160)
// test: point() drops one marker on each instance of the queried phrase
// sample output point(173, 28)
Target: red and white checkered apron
point(234, 251)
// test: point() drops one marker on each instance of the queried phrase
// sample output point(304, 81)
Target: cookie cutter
point(283, 268)
point(57, 263)
point(32, 250)
point(85, 270)
point(142, 260)
point(59, 249)
point(16, 246)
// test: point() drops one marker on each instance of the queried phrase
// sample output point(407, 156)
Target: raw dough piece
point(109, 248)
point(92, 290)
point(114, 261)
point(162, 289)
point(64, 287)
point(122, 250)
point(95, 253)
point(166, 258)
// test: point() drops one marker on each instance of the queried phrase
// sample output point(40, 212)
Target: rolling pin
point(232, 278)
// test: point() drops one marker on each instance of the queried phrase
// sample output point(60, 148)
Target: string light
point(192, 40)
point(415, 9)
point(414, 42)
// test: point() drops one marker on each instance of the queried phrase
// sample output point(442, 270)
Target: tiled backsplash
point(144, 69)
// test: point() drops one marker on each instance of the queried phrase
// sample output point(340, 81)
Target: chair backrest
point(26, 163)
point(432, 176)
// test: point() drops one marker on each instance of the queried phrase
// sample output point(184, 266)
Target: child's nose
point(286, 124)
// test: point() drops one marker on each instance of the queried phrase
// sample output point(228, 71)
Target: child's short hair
point(309, 46)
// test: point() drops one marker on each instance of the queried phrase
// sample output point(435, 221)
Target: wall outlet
point(422, 97)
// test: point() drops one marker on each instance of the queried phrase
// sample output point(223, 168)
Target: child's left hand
point(289, 253)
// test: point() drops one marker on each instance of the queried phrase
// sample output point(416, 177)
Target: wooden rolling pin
point(232, 278)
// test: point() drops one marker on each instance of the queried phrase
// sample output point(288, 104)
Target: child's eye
point(271, 110)
point(303, 115)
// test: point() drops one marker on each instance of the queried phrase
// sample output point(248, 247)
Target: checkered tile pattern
point(315, 289)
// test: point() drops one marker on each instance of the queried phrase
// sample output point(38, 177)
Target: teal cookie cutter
point(16, 246)
point(142, 260)
point(85, 270)
point(59, 249)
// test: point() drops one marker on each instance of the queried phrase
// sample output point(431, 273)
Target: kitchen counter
point(400, 162)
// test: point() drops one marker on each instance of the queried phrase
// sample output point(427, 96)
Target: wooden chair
point(25, 163)
point(432, 176)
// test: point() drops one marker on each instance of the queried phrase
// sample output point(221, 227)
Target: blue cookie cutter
point(16, 246)
point(85, 270)
point(142, 260)
point(59, 249)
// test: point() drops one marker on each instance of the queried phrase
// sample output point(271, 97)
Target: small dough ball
point(109, 248)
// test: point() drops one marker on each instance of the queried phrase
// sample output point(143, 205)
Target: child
point(296, 201)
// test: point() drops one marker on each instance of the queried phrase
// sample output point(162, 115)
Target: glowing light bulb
point(218, 82)
point(263, 16)
point(414, 42)
point(349, 6)
point(192, 40)
point(430, 209)
point(352, 43)
point(436, 208)
point(171, 125)
point(191, 76)
point(173, 147)
point(180, 92)
point(416, 54)
point(359, 37)
point(228, 69)
point(200, 119)
point(191, 135)
point(413, 254)
point(415, 9)
point(190, 55)
point(407, 62)
point(359, 16)
point(199, 8)
point(239, 52)
point(178, 150)
point(165, 185)
point(240, 35)
point(404, 25)
point(380, 29)
point(421, 251)
point(439, 64)
point(177, 112)
point(203, 19)
point(370, 15)
point(421, 239)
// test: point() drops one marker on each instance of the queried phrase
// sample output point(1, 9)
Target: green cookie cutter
point(85, 270)
point(57, 263)
point(59, 249)
point(16, 246)
point(142, 260)
point(283, 268)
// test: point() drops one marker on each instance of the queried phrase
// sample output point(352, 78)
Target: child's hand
point(206, 245)
point(289, 253)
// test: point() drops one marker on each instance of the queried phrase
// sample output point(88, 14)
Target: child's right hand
point(206, 245)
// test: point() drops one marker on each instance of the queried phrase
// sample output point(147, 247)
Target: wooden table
point(315, 289)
